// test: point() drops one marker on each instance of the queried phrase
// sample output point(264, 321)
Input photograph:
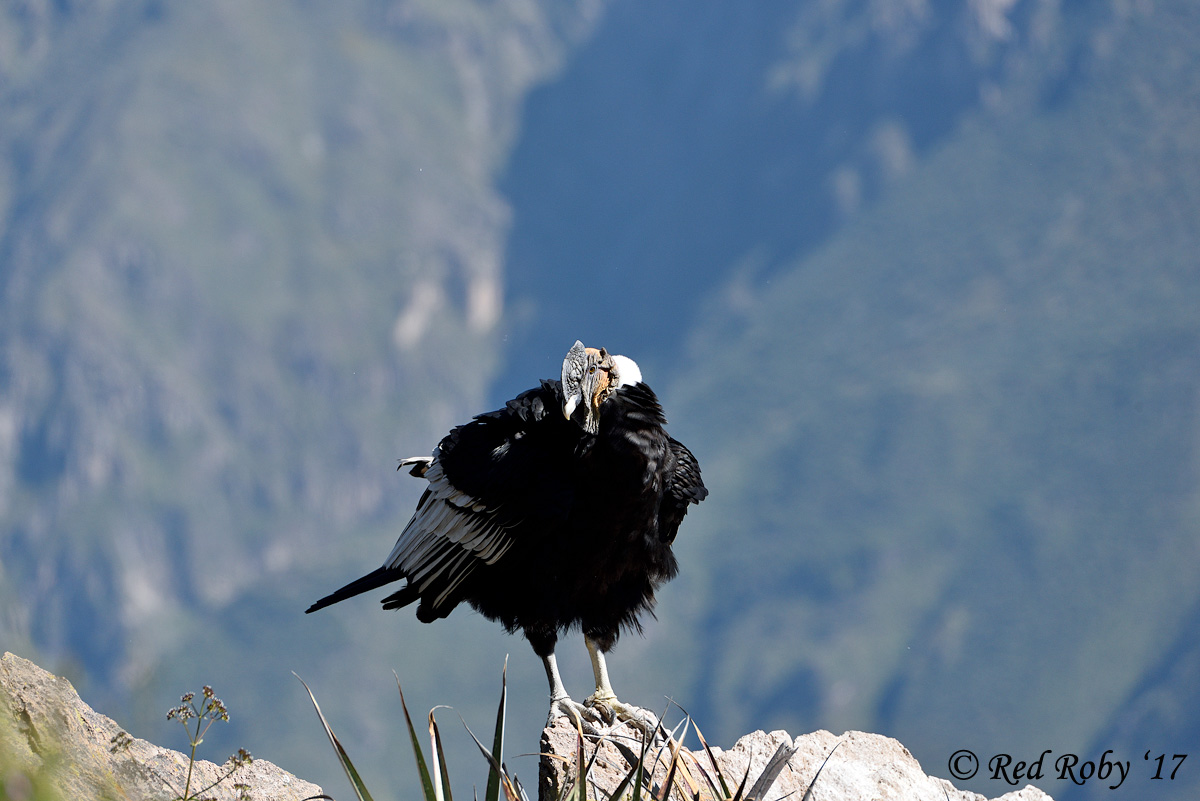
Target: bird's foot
point(613, 711)
point(588, 720)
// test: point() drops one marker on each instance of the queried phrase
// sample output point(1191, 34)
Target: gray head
point(589, 377)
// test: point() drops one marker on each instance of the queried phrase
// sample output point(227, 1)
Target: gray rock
point(49, 734)
point(47, 731)
point(859, 766)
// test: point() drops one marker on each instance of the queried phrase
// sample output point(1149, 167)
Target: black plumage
point(555, 512)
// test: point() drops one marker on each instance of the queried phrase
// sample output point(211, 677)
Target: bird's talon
point(611, 712)
point(580, 716)
point(603, 707)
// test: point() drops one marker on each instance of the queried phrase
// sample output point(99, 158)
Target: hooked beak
point(570, 404)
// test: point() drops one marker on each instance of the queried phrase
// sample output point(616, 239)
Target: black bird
point(557, 511)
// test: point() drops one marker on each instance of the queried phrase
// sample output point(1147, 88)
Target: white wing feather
point(448, 535)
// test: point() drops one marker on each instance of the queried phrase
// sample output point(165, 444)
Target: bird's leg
point(558, 693)
point(606, 701)
point(604, 691)
point(561, 704)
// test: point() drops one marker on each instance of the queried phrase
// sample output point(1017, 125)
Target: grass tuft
point(636, 785)
point(360, 789)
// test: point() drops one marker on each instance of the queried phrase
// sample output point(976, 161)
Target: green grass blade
point(510, 792)
point(620, 788)
point(581, 769)
point(685, 774)
point(356, 781)
point(817, 775)
point(492, 793)
point(426, 781)
point(641, 772)
point(742, 787)
point(713, 759)
point(439, 757)
point(698, 767)
point(668, 737)
point(596, 755)
point(666, 786)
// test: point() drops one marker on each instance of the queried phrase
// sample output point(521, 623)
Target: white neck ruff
point(628, 373)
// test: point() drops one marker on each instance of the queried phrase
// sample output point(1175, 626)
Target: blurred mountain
point(686, 141)
point(916, 280)
point(249, 256)
point(934, 269)
point(953, 450)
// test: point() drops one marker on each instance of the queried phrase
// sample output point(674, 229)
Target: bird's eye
point(591, 370)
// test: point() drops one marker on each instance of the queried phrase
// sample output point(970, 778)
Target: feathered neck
point(628, 372)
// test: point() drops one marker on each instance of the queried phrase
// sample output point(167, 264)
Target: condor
point(557, 511)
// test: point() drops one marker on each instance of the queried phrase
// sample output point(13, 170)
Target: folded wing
point(501, 479)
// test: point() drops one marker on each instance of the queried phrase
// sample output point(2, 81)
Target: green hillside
point(917, 283)
point(249, 257)
point(953, 454)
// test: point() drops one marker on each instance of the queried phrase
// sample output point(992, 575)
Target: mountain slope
point(947, 464)
point(249, 256)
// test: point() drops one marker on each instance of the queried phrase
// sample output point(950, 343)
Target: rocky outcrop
point(852, 767)
point(48, 735)
point(51, 739)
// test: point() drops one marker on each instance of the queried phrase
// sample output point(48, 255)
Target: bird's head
point(590, 377)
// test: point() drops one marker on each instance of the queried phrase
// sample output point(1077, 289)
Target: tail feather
point(376, 578)
point(402, 598)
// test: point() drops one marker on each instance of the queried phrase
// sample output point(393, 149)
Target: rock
point(49, 734)
point(859, 766)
